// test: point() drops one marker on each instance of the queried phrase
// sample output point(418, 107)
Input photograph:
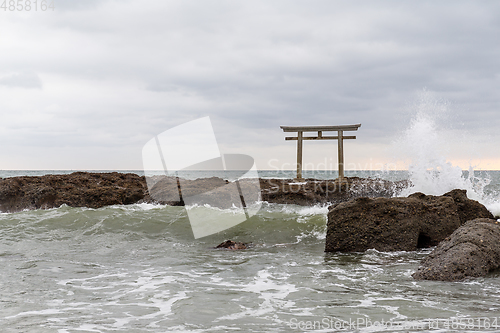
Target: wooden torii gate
point(320, 129)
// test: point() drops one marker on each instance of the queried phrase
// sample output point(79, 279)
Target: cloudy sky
point(86, 85)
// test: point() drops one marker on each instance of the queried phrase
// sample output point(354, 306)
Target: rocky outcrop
point(94, 190)
point(171, 190)
point(213, 191)
point(473, 250)
point(398, 224)
point(468, 209)
point(314, 191)
point(220, 193)
point(79, 189)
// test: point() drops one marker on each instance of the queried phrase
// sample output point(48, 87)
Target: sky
point(86, 84)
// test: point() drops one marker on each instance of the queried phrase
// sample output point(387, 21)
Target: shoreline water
point(137, 267)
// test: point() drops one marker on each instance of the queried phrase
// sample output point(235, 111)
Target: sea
point(138, 268)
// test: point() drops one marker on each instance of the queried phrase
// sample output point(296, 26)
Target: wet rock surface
point(94, 190)
point(468, 209)
point(171, 190)
point(213, 191)
point(398, 224)
point(231, 245)
point(223, 194)
point(79, 189)
point(473, 250)
point(314, 191)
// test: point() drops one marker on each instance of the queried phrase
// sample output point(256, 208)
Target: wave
point(424, 146)
point(273, 225)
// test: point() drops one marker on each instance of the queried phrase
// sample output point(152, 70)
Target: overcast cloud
point(87, 85)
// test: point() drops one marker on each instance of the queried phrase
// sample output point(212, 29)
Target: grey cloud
point(23, 80)
point(256, 65)
point(77, 5)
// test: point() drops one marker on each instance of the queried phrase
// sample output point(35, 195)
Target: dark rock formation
point(468, 209)
point(216, 192)
point(313, 191)
point(171, 190)
point(473, 250)
point(398, 224)
point(100, 189)
point(79, 189)
point(83, 189)
point(231, 245)
point(213, 191)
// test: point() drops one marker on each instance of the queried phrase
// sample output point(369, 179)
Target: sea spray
point(425, 146)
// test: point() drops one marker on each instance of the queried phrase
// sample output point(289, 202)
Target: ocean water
point(138, 268)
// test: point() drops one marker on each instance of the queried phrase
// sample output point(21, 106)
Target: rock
point(79, 189)
point(213, 191)
point(468, 209)
point(473, 250)
point(313, 191)
point(310, 192)
point(397, 224)
point(169, 190)
point(231, 245)
point(94, 190)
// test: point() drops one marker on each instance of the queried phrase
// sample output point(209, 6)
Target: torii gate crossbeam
point(320, 129)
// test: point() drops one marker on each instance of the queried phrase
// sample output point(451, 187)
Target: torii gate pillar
point(320, 129)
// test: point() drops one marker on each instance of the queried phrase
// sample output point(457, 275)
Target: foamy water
point(425, 147)
point(138, 268)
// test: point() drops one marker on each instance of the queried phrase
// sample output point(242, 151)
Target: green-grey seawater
point(138, 268)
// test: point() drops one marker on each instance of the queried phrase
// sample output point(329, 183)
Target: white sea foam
point(139, 206)
point(424, 146)
point(298, 183)
point(494, 208)
point(313, 210)
point(36, 313)
point(296, 210)
point(272, 292)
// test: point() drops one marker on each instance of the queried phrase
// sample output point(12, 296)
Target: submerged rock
point(473, 250)
point(231, 245)
point(398, 224)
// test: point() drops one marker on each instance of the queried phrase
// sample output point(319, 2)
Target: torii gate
point(320, 129)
